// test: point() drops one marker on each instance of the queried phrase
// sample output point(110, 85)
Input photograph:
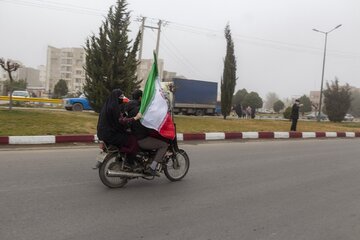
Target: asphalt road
point(273, 190)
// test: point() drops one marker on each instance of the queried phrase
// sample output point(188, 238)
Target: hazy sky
point(275, 47)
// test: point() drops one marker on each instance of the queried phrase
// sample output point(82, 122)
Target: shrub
point(287, 113)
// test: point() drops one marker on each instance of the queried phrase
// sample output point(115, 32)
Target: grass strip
point(47, 122)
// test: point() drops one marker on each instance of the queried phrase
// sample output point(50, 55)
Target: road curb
point(87, 138)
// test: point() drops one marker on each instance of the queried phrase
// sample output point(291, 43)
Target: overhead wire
point(51, 5)
point(174, 56)
point(178, 53)
point(258, 41)
point(60, 6)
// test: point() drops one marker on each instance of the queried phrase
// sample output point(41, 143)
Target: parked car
point(77, 104)
point(314, 116)
point(21, 94)
point(348, 117)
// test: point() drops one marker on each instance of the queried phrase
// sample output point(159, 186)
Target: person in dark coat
point(238, 110)
point(295, 114)
point(253, 111)
point(112, 123)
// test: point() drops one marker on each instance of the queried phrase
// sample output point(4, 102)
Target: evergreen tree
point(355, 104)
point(253, 100)
point(110, 60)
point(60, 89)
point(337, 100)
point(228, 80)
point(306, 104)
point(239, 96)
point(278, 106)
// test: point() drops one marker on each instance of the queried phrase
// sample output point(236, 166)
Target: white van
point(21, 94)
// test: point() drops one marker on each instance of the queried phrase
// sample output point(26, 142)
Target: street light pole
point(323, 67)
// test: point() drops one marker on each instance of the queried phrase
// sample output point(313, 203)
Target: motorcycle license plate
point(100, 157)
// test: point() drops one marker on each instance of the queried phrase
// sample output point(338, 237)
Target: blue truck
point(77, 104)
point(194, 97)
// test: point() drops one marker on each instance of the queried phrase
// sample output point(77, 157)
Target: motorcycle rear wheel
point(112, 162)
point(177, 166)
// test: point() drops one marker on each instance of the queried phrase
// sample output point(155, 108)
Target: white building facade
point(144, 69)
point(66, 64)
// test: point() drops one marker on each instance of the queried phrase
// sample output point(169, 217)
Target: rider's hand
point(138, 116)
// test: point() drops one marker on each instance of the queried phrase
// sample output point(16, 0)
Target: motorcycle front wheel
point(177, 166)
point(112, 162)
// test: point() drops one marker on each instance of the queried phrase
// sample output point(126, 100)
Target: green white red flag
point(154, 107)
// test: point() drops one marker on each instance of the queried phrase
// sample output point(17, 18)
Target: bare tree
point(9, 67)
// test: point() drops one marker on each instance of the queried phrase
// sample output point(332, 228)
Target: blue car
point(77, 104)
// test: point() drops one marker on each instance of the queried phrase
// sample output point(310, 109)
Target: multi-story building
point(42, 75)
point(168, 76)
point(66, 64)
point(30, 75)
point(315, 98)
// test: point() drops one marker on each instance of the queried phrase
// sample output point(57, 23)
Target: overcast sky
point(275, 47)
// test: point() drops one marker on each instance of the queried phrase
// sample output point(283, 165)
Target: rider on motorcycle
point(147, 139)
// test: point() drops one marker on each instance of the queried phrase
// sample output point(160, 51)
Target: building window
point(78, 72)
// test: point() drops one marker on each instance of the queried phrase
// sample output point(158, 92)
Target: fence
point(45, 100)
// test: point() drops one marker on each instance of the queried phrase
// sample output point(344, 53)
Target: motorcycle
point(114, 173)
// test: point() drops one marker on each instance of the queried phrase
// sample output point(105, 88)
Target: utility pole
point(158, 39)
point(143, 26)
point(141, 46)
point(141, 36)
point(323, 67)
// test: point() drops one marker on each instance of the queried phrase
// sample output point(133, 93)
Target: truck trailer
point(194, 97)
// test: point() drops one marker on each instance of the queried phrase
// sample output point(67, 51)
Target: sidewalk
point(52, 139)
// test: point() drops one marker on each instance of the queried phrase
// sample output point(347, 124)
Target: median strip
point(87, 138)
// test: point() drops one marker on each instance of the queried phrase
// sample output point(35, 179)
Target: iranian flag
point(154, 106)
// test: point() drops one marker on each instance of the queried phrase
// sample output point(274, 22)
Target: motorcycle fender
point(99, 159)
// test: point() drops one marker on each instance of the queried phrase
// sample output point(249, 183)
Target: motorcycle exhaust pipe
point(111, 173)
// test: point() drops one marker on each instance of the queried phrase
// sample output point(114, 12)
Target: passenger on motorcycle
point(112, 123)
point(147, 139)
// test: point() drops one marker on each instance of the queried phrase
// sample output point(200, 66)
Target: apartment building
point(66, 64)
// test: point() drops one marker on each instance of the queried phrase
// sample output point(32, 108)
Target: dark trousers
point(293, 124)
point(150, 143)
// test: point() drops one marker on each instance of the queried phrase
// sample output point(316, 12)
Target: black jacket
point(295, 111)
point(109, 128)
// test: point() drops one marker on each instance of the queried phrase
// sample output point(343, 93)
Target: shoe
point(97, 165)
point(132, 167)
point(168, 154)
point(151, 172)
